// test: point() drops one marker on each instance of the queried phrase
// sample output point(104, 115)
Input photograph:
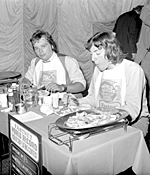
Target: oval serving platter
point(60, 123)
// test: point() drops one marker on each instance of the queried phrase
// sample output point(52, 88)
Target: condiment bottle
point(16, 93)
point(11, 100)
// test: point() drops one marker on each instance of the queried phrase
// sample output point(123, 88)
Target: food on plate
point(61, 111)
point(84, 119)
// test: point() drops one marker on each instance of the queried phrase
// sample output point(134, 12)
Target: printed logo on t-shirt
point(110, 94)
point(47, 77)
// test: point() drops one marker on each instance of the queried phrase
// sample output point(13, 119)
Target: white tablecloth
point(106, 153)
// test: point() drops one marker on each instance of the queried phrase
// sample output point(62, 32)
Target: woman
point(116, 82)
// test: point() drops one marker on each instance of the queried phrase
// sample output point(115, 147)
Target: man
point(116, 82)
point(56, 73)
point(143, 53)
point(127, 29)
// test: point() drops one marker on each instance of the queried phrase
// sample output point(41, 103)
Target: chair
point(147, 137)
point(4, 151)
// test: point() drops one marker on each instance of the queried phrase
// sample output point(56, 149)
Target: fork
point(75, 101)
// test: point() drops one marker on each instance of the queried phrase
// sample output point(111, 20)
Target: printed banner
point(25, 149)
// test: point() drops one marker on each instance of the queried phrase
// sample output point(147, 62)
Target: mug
point(47, 100)
point(20, 108)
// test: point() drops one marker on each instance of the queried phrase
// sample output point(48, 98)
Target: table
point(107, 153)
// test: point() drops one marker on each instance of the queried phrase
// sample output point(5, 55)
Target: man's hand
point(54, 87)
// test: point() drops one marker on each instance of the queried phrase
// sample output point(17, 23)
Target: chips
point(84, 119)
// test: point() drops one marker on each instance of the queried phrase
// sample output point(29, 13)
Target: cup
point(65, 99)
point(55, 100)
point(3, 100)
point(30, 96)
point(47, 100)
point(40, 100)
point(20, 108)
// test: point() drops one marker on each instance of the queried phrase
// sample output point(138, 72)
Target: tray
point(60, 123)
point(9, 75)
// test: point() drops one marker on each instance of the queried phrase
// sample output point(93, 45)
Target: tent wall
point(70, 22)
